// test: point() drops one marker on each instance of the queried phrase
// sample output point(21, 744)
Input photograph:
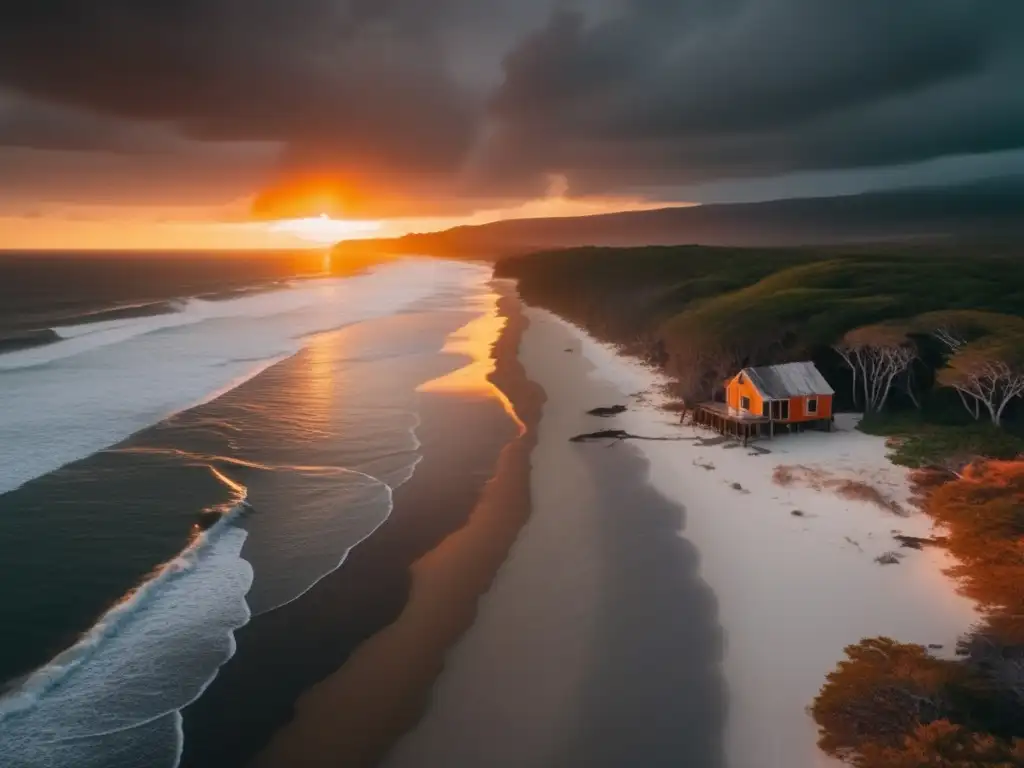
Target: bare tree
point(984, 351)
point(998, 661)
point(908, 381)
point(953, 338)
point(876, 355)
point(991, 371)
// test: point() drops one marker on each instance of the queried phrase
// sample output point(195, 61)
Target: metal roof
point(788, 380)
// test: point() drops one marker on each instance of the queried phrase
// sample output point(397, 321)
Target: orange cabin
point(791, 393)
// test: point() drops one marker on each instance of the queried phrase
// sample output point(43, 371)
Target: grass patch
point(918, 443)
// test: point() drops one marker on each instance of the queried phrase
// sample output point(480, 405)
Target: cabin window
point(812, 405)
point(745, 403)
point(780, 410)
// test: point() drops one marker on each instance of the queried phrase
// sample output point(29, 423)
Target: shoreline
point(282, 653)
point(598, 644)
point(355, 714)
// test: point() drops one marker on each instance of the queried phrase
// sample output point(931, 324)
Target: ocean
point(188, 443)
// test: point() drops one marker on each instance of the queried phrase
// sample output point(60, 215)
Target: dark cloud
point(32, 124)
point(358, 89)
point(399, 105)
point(760, 87)
point(192, 175)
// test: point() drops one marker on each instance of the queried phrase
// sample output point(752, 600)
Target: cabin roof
point(788, 380)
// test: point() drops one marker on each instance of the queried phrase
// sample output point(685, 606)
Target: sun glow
point(325, 230)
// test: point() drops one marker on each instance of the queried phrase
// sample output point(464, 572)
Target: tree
point(876, 355)
point(982, 513)
point(957, 330)
point(995, 657)
point(954, 340)
point(942, 744)
point(989, 371)
point(879, 695)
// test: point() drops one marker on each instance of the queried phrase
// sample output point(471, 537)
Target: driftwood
point(613, 410)
point(616, 435)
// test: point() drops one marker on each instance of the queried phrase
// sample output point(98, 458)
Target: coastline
point(356, 713)
point(792, 565)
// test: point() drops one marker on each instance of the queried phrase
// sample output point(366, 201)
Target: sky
point(240, 123)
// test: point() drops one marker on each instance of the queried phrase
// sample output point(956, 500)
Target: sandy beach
point(792, 589)
point(598, 644)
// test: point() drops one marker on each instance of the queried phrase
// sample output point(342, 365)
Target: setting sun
point(325, 230)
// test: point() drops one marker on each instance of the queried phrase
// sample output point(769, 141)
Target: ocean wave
point(88, 322)
point(72, 398)
point(387, 473)
point(328, 516)
point(30, 691)
point(114, 698)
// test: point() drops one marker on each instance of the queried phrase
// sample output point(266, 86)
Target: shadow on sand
point(654, 693)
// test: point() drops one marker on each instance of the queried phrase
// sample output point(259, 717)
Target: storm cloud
point(411, 105)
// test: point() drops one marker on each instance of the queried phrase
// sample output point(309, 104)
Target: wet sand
point(354, 716)
point(599, 644)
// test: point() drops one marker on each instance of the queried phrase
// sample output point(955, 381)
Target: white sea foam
point(145, 659)
point(107, 380)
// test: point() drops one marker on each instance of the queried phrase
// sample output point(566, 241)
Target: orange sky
point(151, 228)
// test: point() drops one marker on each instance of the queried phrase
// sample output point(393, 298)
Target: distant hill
point(989, 209)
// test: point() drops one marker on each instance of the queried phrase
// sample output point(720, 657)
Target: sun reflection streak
point(476, 340)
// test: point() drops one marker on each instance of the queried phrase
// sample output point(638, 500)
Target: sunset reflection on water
point(476, 341)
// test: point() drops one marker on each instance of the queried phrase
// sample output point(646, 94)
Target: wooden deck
point(732, 422)
point(747, 426)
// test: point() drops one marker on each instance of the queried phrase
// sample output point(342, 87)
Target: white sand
point(599, 643)
point(792, 591)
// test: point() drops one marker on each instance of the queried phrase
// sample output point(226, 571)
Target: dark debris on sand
point(616, 435)
point(605, 412)
point(915, 542)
